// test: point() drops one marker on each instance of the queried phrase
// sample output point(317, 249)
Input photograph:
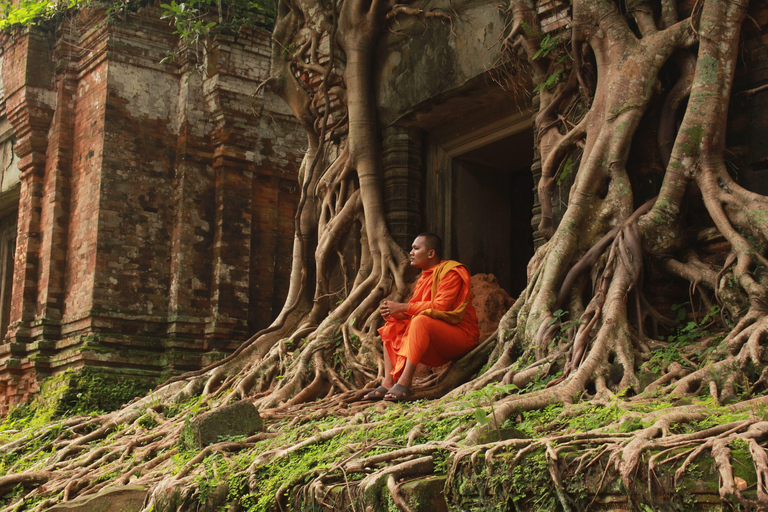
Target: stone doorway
point(479, 195)
point(10, 192)
point(491, 209)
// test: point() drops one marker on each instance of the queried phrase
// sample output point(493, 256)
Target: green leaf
point(481, 416)
point(544, 49)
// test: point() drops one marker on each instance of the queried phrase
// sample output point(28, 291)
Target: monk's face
point(421, 256)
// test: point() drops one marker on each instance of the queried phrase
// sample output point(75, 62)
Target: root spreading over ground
point(593, 380)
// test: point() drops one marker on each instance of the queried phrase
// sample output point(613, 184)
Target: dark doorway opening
point(491, 211)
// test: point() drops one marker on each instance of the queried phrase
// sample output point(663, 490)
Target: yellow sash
point(451, 317)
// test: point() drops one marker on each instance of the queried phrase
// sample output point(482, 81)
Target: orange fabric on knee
point(426, 340)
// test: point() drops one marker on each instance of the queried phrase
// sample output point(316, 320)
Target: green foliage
point(550, 82)
point(631, 424)
point(190, 24)
point(554, 48)
point(186, 443)
point(194, 20)
point(37, 414)
point(564, 175)
point(560, 315)
point(538, 418)
point(530, 481)
point(686, 333)
point(28, 12)
point(36, 422)
point(691, 330)
point(498, 485)
point(717, 415)
point(487, 395)
point(385, 430)
point(191, 406)
point(147, 421)
point(191, 19)
point(741, 460)
point(546, 46)
point(596, 416)
point(230, 438)
point(209, 480)
point(69, 393)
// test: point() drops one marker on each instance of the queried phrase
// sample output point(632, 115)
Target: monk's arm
point(448, 289)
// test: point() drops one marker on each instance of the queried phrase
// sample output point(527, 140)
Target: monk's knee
point(420, 322)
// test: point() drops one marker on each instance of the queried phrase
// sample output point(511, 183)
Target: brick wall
point(155, 216)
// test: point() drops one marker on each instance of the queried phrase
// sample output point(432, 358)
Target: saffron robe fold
point(441, 324)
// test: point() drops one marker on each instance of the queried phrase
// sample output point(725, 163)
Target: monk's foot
point(375, 395)
point(398, 393)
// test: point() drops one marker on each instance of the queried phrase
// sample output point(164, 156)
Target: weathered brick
point(155, 205)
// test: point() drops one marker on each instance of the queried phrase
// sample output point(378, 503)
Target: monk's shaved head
point(434, 242)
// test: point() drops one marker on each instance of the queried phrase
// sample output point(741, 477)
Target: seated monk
point(438, 325)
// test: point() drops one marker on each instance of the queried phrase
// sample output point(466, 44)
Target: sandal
point(377, 394)
point(400, 393)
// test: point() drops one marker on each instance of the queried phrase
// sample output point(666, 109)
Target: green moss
point(392, 424)
point(695, 136)
point(708, 68)
point(90, 390)
point(741, 461)
point(40, 412)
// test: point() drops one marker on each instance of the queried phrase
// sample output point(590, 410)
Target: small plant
point(186, 441)
point(551, 80)
point(192, 27)
point(692, 330)
point(565, 173)
point(489, 393)
point(687, 332)
point(547, 44)
point(148, 422)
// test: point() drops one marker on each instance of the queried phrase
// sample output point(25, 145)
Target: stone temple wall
point(155, 203)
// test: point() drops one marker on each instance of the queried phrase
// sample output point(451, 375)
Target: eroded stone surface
point(490, 301)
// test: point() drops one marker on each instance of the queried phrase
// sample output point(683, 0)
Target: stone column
point(538, 238)
point(54, 217)
point(192, 234)
point(29, 104)
point(402, 157)
point(233, 196)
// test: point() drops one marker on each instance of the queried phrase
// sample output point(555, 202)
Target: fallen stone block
point(237, 419)
point(425, 494)
point(126, 498)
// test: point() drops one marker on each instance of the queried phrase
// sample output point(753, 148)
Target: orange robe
point(431, 341)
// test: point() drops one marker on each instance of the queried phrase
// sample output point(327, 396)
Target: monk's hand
point(394, 309)
point(397, 309)
point(384, 309)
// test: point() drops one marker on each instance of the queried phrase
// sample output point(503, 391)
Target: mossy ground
point(502, 482)
point(476, 484)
